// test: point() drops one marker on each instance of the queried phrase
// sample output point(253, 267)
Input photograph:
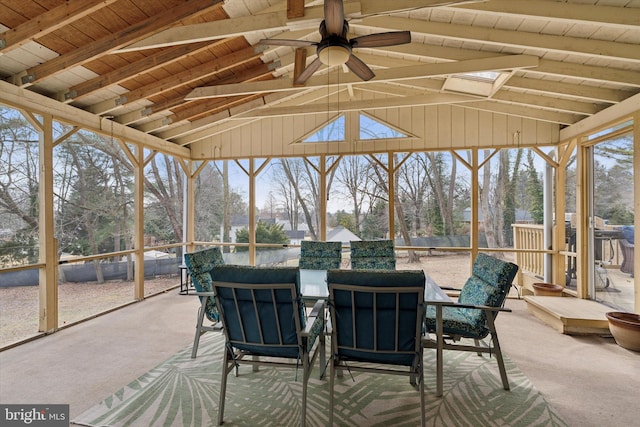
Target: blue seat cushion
point(488, 285)
point(627, 232)
point(373, 254)
point(463, 322)
point(262, 335)
point(320, 255)
point(199, 264)
point(389, 330)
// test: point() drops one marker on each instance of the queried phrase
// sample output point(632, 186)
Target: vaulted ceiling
point(180, 70)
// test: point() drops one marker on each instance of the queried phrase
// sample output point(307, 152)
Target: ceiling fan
point(335, 48)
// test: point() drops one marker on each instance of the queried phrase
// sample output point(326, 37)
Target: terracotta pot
point(625, 328)
point(547, 290)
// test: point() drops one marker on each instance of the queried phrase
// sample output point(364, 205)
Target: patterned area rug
point(184, 392)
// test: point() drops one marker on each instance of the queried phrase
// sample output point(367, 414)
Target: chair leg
point(498, 352)
point(439, 351)
point(332, 379)
point(477, 343)
point(196, 340)
point(226, 368)
point(305, 380)
point(323, 353)
point(423, 420)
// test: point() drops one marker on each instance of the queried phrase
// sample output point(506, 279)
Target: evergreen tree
point(265, 233)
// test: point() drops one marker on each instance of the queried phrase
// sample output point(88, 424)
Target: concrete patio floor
point(590, 380)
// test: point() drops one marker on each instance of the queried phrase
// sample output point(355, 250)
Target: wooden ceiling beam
point(48, 22)
point(573, 70)
point(584, 92)
point(509, 62)
point(149, 63)
point(113, 41)
point(551, 103)
point(526, 112)
point(209, 107)
point(261, 71)
point(199, 129)
point(295, 9)
point(560, 11)
point(240, 26)
point(201, 71)
point(519, 39)
point(257, 72)
point(362, 105)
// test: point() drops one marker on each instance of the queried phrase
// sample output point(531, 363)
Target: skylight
point(485, 76)
point(482, 83)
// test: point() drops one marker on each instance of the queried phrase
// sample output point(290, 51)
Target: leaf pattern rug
point(184, 392)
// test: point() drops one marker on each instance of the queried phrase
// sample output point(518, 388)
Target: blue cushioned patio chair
point(377, 318)
point(373, 254)
point(199, 264)
point(473, 315)
point(316, 255)
point(627, 247)
point(265, 323)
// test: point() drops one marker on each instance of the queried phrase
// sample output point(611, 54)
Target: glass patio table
point(313, 286)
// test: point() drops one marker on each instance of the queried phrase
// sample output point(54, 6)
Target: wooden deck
point(571, 316)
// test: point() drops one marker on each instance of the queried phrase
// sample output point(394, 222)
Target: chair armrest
point(318, 307)
point(203, 294)
point(459, 305)
point(317, 313)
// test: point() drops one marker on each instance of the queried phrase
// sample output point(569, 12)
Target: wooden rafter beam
point(113, 41)
point(547, 66)
point(193, 110)
point(300, 62)
point(295, 9)
point(233, 27)
point(369, 104)
point(584, 92)
point(48, 22)
point(518, 39)
point(560, 11)
point(510, 62)
point(185, 77)
point(119, 75)
point(526, 112)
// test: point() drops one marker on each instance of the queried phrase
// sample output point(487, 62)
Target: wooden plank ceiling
point(177, 68)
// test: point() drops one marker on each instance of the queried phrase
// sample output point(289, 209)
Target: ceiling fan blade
point(359, 68)
point(382, 39)
point(308, 72)
point(286, 42)
point(334, 16)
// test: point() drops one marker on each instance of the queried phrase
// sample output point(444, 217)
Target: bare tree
point(357, 177)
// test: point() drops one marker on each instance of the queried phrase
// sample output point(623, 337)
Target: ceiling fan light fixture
point(334, 55)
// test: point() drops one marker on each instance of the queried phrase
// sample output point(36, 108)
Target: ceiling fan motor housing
point(334, 50)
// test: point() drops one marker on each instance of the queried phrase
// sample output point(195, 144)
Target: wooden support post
point(138, 228)
point(48, 255)
point(190, 229)
point(391, 173)
point(559, 263)
point(252, 212)
point(582, 222)
point(322, 180)
point(636, 207)
point(475, 193)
